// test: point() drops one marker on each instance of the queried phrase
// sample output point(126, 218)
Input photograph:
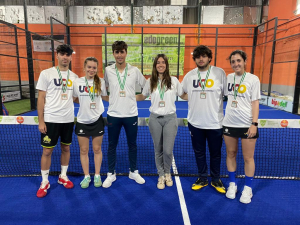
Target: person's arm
point(105, 98)
point(76, 100)
point(184, 96)
point(40, 110)
point(140, 97)
point(255, 111)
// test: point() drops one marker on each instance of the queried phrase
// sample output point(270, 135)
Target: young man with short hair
point(205, 86)
point(56, 115)
point(121, 78)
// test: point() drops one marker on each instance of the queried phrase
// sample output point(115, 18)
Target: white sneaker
point(109, 179)
point(231, 191)
point(136, 176)
point(169, 181)
point(161, 182)
point(246, 195)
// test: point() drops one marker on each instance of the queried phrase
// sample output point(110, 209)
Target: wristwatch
point(254, 123)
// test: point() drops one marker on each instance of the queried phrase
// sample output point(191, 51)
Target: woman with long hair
point(162, 89)
point(241, 121)
point(90, 123)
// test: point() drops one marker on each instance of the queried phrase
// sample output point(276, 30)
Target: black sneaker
point(218, 185)
point(199, 184)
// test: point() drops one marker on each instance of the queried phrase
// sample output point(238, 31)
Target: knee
point(97, 150)
point(47, 152)
point(84, 151)
point(231, 154)
point(65, 148)
point(248, 159)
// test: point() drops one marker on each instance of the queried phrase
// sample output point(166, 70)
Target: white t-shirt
point(205, 113)
point(57, 110)
point(169, 97)
point(123, 106)
point(241, 116)
point(85, 114)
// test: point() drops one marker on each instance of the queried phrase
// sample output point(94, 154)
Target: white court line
point(185, 214)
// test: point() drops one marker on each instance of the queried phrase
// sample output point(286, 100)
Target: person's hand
point(252, 131)
point(43, 128)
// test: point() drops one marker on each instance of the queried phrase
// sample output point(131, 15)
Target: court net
point(277, 153)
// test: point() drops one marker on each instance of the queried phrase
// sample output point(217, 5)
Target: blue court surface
point(126, 202)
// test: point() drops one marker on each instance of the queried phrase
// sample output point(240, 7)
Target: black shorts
point(92, 129)
point(238, 132)
point(56, 130)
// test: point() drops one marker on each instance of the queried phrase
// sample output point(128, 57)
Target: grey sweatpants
point(163, 130)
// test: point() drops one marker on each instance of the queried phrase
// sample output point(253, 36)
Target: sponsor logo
point(84, 89)
point(263, 122)
point(185, 122)
point(58, 83)
point(2, 117)
point(20, 119)
point(134, 123)
point(80, 131)
point(36, 119)
point(8, 119)
point(101, 132)
point(210, 83)
point(241, 89)
point(226, 130)
point(46, 139)
point(282, 104)
point(284, 123)
point(147, 121)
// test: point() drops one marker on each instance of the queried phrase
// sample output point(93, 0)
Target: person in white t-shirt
point(206, 86)
point(121, 79)
point(56, 115)
point(163, 125)
point(88, 90)
point(241, 121)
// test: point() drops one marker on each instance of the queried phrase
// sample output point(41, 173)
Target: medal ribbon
point(236, 89)
point(64, 85)
point(207, 75)
point(92, 95)
point(161, 91)
point(122, 84)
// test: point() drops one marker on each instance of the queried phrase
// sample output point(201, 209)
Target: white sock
point(64, 170)
point(45, 175)
point(86, 176)
point(97, 175)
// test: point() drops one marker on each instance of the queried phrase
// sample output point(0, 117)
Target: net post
point(216, 46)
point(18, 59)
point(254, 49)
point(297, 88)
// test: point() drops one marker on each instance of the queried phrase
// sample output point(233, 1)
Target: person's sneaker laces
point(231, 191)
point(246, 195)
point(169, 181)
point(42, 192)
point(161, 182)
point(64, 180)
point(199, 184)
point(136, 176)
point(109, 179)
point(218, 185)
point(97, 181)
point(85, 183)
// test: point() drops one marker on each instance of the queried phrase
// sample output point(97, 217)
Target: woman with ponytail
point(163, 89)
point(89, 92)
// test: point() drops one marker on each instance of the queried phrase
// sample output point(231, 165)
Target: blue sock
point(231, 176)
point(248, 181)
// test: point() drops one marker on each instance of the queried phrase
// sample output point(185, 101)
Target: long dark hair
point(96, 77)
point(166, 75)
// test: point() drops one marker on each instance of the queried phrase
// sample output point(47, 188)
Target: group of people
point(203, 87)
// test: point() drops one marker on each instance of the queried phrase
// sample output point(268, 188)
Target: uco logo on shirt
point(241, 89)
point(210, 83)
point(84, 89)
point(58, 83)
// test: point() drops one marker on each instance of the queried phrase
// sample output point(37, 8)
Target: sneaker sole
point(247, 201)
point(231, 197)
